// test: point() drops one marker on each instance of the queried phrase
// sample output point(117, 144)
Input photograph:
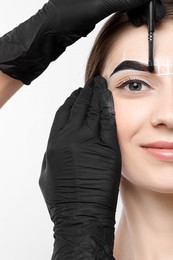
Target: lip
point(159, 144)
point(161, 150)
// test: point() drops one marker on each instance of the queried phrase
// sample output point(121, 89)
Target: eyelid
point(131, 80)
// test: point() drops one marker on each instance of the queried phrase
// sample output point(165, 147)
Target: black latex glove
point(81, 173)
point(140, 15)
point(27, 50)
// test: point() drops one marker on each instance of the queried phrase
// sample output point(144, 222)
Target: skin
point(145, 230)
point(8, 87)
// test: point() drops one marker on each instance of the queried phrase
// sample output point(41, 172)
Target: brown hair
point(103, 43)
point(106, 37)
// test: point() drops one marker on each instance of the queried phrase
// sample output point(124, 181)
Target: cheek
point(131, 117)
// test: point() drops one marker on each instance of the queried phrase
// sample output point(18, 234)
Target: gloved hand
point(27, 50)
point(81, 174)
point(139, 15)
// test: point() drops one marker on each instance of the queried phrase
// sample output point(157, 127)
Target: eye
point(133, 85)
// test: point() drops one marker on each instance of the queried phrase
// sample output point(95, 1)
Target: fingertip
point(100, 82)
point(69, 102)
point(89, 82)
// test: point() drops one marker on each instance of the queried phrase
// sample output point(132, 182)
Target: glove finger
point(93, 114)
point(80, 107)
point(63, 113)
point(139, 16)
point(108, 130)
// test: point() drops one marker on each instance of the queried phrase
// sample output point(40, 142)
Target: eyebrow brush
point(151, 27)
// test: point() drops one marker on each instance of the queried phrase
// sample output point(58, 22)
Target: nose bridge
point(163, 105)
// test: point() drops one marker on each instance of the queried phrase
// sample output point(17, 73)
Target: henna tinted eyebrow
point(130, 65)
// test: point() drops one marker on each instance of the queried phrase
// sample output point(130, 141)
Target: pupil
point(135, 86)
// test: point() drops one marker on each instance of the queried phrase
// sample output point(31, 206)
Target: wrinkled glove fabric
point(27, 50)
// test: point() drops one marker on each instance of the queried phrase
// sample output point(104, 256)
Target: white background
point(26, 231)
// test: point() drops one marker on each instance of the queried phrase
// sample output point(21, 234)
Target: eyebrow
point(130, 65)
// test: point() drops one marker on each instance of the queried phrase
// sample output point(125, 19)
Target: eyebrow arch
point(130, 65)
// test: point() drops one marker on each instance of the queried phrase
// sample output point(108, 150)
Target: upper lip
point(159, 144)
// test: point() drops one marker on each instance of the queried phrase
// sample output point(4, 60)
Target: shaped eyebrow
point(130, 65)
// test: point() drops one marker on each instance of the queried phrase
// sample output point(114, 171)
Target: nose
point(162, 113)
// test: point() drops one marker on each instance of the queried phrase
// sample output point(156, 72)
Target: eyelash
point(132, 80)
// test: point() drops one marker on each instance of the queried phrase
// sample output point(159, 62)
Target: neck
point(145, 230)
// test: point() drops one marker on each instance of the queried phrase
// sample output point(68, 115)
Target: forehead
point(132, 44)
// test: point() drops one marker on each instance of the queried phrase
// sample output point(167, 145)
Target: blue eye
point(133, 85)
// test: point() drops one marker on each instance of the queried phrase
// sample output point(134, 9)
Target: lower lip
point(163, 154)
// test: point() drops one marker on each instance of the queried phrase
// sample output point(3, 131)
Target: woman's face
point(144, 105)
